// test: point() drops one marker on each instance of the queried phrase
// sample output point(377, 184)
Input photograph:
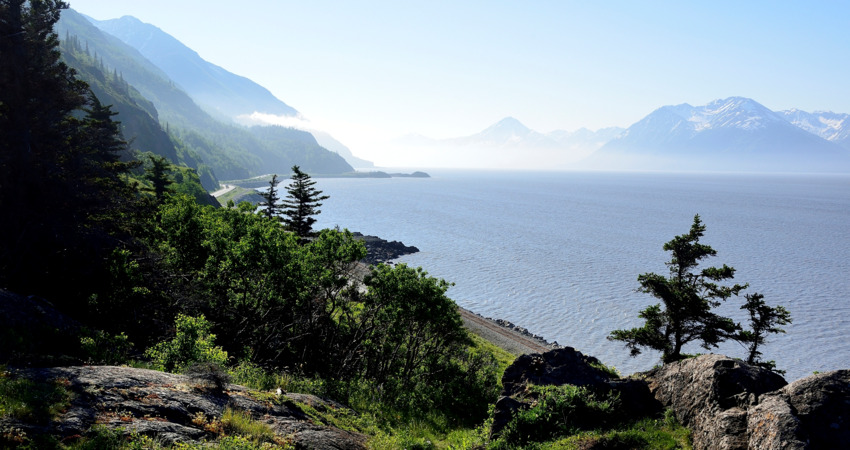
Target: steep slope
point(223, 94)
point(213, 88)
point(734, 134)
point(327, 141)
point(138, 118)
point(233, 152)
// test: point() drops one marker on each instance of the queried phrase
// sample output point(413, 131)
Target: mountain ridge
point(732, 134)
point(215, 89)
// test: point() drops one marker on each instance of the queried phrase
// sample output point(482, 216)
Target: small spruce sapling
point(764, 319)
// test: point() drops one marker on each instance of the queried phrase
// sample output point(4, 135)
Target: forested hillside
point(231, 151)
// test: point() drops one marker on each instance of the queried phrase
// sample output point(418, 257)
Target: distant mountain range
point(509, 144)
point(174, 103)
point(735, 134)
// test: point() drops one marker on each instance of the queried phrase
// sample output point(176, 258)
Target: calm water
point(560, 253)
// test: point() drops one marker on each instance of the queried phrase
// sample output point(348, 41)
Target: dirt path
point(510, 340)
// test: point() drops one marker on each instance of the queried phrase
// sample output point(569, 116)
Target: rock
point(381, 251)
point(176, 408)
point(34, 332)
point(813, 412)
point(772, 424)
point(567, 366)
point(711, 394)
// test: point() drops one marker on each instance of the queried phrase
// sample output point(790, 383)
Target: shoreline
point(502, 333)
point(505, 335)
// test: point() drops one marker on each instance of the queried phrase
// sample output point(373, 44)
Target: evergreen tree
point(272, 210)
point(158, 174)
point(37, 95)
point(688, 297)
point(764, 319)
point(60, 162)
point(301, 203)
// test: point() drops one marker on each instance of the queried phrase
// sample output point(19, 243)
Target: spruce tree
point(158, 175)
point(764, 319)
point(271, 209)
point(60, 162)
point(302, 203)
point(688, 297)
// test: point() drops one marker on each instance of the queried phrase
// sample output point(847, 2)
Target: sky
point(371, 71)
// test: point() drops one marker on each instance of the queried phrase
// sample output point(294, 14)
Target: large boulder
point(711, 394)
point(566, 366)
point(813, 412)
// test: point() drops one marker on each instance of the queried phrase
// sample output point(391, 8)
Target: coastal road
point(225, 189)
point(506, 338)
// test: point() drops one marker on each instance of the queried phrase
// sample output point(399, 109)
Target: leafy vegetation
point(689, 297)
point(192, 343)
point(32, 401)
point(220, 292)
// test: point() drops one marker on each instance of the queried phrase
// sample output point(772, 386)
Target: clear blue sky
point(374, 70)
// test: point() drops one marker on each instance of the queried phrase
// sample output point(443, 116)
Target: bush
point(208, 375)
point(192, 343)
point(560, 411)
point(99, 347)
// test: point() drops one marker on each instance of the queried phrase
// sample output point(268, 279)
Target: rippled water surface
point(559, 253)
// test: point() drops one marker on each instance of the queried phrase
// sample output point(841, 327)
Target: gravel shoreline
point(501, 333)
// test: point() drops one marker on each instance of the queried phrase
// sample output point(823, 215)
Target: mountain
point(232, 152)
point(831, 126)
point(216, 90)
point(733, 134)
point(507, 144)
point(327, 141)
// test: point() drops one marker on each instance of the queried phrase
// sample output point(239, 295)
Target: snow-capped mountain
point(507, 132)
point(733, 134)
point(834, 127)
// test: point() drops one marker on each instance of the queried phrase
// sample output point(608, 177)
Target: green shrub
point(192, 343)
point(99, 347)
point(560, 411)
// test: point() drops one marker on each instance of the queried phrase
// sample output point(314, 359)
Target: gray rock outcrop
point(174, 408)
point(711, 394)
point(810, 413)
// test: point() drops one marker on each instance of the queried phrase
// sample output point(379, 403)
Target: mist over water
point(560, 253)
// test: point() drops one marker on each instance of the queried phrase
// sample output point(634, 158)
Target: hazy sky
point(370, 71)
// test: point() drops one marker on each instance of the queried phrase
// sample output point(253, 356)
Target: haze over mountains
point(224, 149)
point(734, 134)
point(199, 104)
point(214, 89)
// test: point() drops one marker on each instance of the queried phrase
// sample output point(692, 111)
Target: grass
point(503, 357)
point(240, 423)
point(32, 401)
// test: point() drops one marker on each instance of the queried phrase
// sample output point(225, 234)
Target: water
point(560, 253)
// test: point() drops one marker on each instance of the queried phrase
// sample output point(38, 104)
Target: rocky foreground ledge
point(176, 408)
point(726, 403)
